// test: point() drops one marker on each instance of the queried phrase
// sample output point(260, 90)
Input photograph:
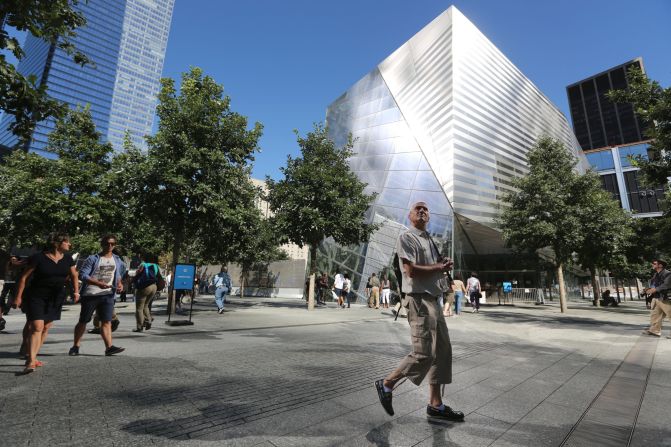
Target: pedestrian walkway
point(269, 373)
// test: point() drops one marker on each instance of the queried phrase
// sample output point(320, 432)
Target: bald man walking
point(423, 271)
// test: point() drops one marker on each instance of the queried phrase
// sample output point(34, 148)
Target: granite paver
point(269, 373)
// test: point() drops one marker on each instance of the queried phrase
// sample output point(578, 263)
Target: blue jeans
point(219, 296)
point(457, 301)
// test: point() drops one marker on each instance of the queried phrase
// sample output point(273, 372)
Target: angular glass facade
point(446, 119)
point(123, 39)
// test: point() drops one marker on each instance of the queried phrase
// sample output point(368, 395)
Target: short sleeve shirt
point(104, 273)
point(415, 246)
point(49, 276)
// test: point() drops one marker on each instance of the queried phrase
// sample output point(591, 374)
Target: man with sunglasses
point(101, 279)
point(661, 287)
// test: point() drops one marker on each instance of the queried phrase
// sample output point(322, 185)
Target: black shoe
point(74, 350)
point(113, 350)
point(385, 397)
point(95, 330)
point(2, 324)
point(447, 414)
point(221, 310)
point(147, 326)
point(138, 330)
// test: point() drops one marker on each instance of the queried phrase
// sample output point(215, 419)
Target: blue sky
point(283, 61)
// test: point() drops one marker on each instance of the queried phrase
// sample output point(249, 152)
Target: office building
point(446, 119)
point(126, 40)
point(610, 135)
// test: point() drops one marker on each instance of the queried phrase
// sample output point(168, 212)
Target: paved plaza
point(269, 373)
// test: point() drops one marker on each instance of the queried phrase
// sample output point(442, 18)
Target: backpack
point(147, 276)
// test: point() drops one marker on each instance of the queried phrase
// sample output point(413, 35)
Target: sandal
point(29, 369)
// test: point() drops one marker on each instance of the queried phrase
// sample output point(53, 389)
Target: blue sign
point(507, 287)
point(185, 275)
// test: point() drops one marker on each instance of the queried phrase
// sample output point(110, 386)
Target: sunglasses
point(109, 244)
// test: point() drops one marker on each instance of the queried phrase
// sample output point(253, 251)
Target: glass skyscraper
point(126, 40)
point(446, 119)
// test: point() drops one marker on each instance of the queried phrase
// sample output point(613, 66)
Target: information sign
point(507, 287)
point(185, 275)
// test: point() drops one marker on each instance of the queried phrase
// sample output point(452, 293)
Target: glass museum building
point(446, 119)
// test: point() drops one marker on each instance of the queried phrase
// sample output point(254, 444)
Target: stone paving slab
point(269, 373)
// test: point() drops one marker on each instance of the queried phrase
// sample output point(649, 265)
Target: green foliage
point(54, 21)
point(320, 196)
point(652, 105)
point(606, 227)
point(543, 213)
point(193, 186)
point(40, 195)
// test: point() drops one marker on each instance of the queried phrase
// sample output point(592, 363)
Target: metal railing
point(522, 295)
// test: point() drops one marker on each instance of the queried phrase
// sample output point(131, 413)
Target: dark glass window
point(578, 117)
point(609, 182)
point(641, 199)
point(601, 160)
point(608, 112)
point(625, 111)
point(593, 114)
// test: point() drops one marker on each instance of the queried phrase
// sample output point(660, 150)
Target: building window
point(628, 152)
point(641, 199)
point(609, 183)
point(601, 160)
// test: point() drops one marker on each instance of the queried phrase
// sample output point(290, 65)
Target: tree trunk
point(562, 288)
point(313, 269)
point(242, 283)
point(596, 290)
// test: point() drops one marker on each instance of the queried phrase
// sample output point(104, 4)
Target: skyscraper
point(126, 40)
point(446, 119)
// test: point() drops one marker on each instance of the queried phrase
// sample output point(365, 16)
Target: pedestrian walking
point(101, 279)
point(12, 274)
point(374, 300)
point(346, 290)
point(49, 270)
point(337, 287)
point(449, 301)
point(423, 272)
point(322, 288)
point(146, 284)
point(474, 291)
point(459, 293)
point(660, 289)
point(386, 291)
point(222, 284)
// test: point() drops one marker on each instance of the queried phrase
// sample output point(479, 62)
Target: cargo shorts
point(431, 348)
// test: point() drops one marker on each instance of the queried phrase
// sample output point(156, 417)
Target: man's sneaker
point(385, 397)
point(2, 324)
point(113, 350)
point(447, 414)
point(647, 332)
point(95, 330)
point(221, 310)
point(74, 350)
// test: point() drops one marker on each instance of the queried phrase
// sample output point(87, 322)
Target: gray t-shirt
point(104, 272)
point(415, 246)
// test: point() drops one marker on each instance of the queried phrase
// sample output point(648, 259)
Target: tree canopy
point(24, 97)
point(319, 196)
point(41, 195)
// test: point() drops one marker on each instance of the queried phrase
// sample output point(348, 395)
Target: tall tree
point(40, 195)
point(320, 197)
point(24, 97)
point(606, 229)
point(258, 246)
point(195, 186)
point(543, 212)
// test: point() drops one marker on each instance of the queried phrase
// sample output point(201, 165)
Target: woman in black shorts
point(46, 293)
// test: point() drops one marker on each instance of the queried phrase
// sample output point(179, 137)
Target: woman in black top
point(46, 293)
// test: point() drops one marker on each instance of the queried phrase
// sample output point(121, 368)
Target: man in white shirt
point(101, 279)
point(338, 284)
